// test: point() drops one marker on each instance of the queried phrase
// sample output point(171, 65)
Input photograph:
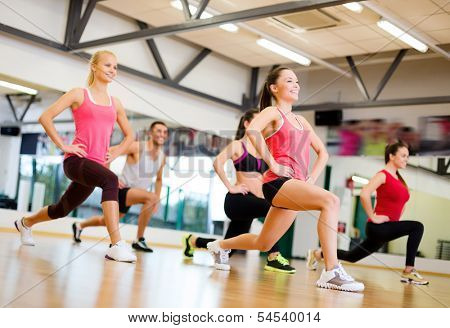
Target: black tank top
point(249, 163)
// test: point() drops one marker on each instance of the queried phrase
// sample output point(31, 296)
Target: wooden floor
point(58, 273)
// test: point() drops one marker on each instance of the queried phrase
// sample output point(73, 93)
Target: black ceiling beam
point(79, 29)
point(389, 72)
point(373, 104)
point(168, 83)
point(192, 25)
point(156, 54)
point(200, 9)
point(13, 108)
point(32, 37)
point(186, 10)
point(358, 78)
point(73, 19)
point(205, 52)
point(30, 101)
point(253, 85)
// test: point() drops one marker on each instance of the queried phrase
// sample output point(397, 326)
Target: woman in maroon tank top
point(85, 162)
point(284, 141)
point(384, 223)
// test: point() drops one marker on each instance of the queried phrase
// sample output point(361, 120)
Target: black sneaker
point(76, 232)
point(140, 245)
point(279, 264)
point(188, 251)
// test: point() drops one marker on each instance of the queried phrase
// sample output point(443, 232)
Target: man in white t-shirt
point(144, 161)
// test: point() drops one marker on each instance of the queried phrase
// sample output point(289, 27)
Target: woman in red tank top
point(94, 112)
point(384, 223)
point(284, 141)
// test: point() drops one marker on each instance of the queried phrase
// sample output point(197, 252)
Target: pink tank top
point(289, 146)
point(94, 125)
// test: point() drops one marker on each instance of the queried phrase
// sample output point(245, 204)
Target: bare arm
point(365, 196)
point(72, 98)
point(124, 125)
point(158, 183)
point(254, 134)
point(319, 148)
point(233, 149)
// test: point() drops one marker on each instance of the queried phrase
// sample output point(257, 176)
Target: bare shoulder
point(77, 94)
point(380, 177)
point(75, 97)
point(117, 102)
point(236, 147)
point(271, 110)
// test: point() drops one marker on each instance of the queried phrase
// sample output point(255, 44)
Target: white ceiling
point(357, 34)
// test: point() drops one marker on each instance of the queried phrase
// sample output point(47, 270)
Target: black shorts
point(123, 208)
point(271, 188)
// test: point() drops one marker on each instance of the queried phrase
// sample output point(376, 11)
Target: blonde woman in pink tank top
point(284, 140)
point(85, 160)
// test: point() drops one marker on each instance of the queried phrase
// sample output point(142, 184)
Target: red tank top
point(289, 146)
point(94, 125)
point(391, 197)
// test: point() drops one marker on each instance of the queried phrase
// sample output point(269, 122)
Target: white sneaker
point(311, 261)
point(338, 279)
point(121, 252)
point(26, 236)
point(220, 255)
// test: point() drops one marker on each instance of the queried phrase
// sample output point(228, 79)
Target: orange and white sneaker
point(413, 277)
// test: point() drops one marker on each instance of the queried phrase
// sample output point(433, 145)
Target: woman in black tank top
point(244, 201)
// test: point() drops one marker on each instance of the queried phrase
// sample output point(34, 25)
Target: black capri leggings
point(379, 234)
point(241, 210)
point(85, 175)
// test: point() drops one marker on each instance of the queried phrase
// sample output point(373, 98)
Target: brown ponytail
point(248, 116)
point(392, 149)
point(266, 95)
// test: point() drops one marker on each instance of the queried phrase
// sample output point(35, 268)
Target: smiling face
point(286, 87)
point(158, 134)
point(105, 69)
point(400, 158)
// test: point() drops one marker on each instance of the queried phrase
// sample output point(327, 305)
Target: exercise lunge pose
point(244, 201)
point(94, 112)
point(145, 160)
point(287, 185)
point(383, 224)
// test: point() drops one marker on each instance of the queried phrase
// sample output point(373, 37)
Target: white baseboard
point(160, 236)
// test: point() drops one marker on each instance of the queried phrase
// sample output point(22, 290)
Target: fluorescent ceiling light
point(227, 27)
point(354, 6)
point(18, 88)
point(402, 35)
point(358, 179)
point(284, 52)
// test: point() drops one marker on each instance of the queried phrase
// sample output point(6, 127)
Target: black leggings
point(242, 210)
point(85, 175)
point(379, 234)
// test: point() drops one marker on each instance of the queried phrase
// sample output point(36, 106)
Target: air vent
point(308, 20)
